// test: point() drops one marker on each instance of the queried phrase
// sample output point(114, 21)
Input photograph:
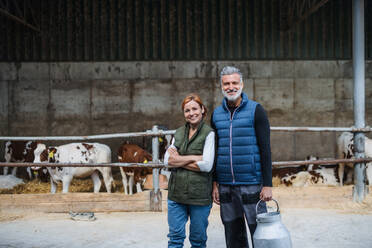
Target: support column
point(359, 189)
point(155, 195)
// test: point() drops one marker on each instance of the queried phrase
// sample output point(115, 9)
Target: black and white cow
point(345, 149)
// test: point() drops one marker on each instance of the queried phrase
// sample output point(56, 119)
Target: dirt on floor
point(315, 217)
point(333, 198)
point(321, 197)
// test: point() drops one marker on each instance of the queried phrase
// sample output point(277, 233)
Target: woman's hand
point(187, 161)
point(176, 160)
point(173, 153)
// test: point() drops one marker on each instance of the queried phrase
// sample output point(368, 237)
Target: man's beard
point(234, 97)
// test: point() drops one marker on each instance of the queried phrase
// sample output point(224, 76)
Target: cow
point(132, 153)
point(287, 171)
point(320, 176)
point(307, 175)
point(164, 142)
point(76, 153)
point(345, 150)
point(20, 151)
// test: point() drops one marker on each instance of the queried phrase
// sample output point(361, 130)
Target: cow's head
point(311, 167)
point(164, 143)
point(44, 154)
point(29, 151)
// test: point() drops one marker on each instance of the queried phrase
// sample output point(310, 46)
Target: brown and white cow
point(345, 149)
point(307, 175)
point(76, 153)
point(164, 142)
point(319, 176)
point(19, 151)
point(131, 153)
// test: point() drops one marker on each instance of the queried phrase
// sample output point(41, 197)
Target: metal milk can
point(270, 231)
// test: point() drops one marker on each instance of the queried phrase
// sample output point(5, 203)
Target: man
point(243, 173)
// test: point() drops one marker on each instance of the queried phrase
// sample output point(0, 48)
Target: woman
point(191, 156)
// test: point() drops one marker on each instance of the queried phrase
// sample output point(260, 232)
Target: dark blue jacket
point(238, 157)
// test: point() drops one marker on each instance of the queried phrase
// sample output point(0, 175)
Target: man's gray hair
point(228, 70)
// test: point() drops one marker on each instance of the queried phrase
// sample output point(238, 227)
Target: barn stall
point(85, 67)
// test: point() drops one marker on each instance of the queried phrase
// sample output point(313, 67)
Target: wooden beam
point(79, 202)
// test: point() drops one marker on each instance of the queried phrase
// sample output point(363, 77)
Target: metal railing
point(156, 165)
point(155, 132)
point(171, 132)
point(91, 137)
point(150, 164)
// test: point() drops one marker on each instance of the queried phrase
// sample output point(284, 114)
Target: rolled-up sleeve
point(166, 155)
point(208, 154)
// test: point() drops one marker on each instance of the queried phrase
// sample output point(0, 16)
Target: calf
point(76, 153)
point(307, 175)
point(289, 171)
point(19, 151)
point(321, 176)
point(345, 149)
point(131, 153)
point(164, 142)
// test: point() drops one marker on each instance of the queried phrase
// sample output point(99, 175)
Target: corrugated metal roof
point(124, 30)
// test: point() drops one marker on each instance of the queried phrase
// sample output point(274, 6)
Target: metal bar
point(359, 189)
point(323, 129)
point(91, 137)
point(305, 15)
point(32, 11)
point(161, 165)
point(319, 162)
point(161, 133)
point(129, 165)
point(17, 19)
point(155, 158)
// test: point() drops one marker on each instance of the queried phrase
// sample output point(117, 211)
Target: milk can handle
point(277, 205)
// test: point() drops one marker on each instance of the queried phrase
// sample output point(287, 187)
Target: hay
point(77, 185)
point(276, 181)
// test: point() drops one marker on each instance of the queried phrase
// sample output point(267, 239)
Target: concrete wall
point(95, 98)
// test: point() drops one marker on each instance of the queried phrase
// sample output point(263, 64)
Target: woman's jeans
point(178, 215)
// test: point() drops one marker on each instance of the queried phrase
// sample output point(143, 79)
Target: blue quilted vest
point(238, 157)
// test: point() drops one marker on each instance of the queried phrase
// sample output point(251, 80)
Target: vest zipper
point(231, 164)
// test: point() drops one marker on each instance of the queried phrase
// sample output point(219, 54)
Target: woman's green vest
point(185, 186)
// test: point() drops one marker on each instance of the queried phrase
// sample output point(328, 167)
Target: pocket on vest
point(171, 183)
point(254, 165)
point(199, 186)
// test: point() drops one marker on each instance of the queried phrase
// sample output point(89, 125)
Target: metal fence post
point(155, 195)
point(359, 189)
